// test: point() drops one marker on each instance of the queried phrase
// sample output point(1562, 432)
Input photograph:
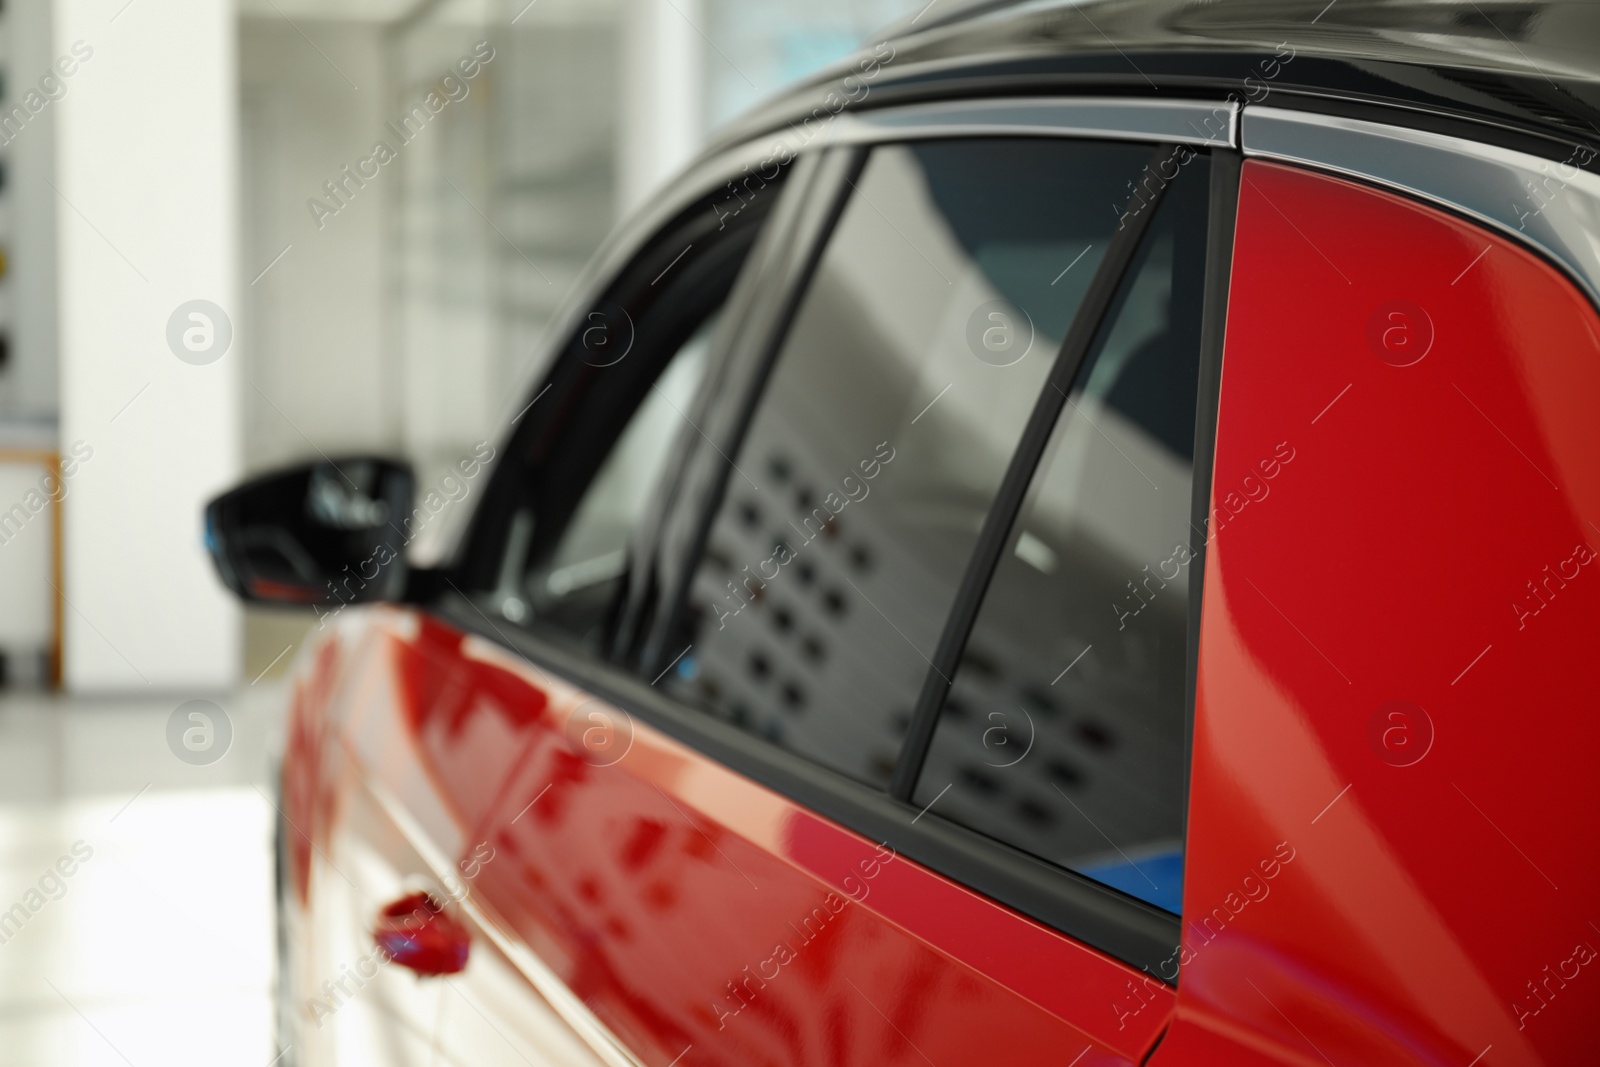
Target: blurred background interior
point(156, 152)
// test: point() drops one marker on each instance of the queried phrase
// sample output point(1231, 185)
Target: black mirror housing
point(328, 533)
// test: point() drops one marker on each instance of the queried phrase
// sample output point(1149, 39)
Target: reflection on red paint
point(1383, 575)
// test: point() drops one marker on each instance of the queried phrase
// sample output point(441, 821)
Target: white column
point(146, 148)
point(661, 93)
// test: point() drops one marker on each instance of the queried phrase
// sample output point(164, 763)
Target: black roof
point(1525, 74)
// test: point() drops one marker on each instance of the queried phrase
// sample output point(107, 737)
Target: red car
point(1069, 540)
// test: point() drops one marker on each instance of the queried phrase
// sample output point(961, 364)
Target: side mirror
point(319, 533)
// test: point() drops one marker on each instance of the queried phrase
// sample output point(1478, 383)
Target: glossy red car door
point(629, 898)
point(400, 739)
point(707, 920)
point(1395, 718)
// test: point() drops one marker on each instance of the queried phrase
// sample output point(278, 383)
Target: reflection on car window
point(1063, 730)
point(873, 457)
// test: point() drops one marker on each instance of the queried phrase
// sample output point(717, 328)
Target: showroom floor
point(155, 949)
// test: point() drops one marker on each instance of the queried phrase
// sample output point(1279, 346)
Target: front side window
point(596, 444)
point(574, 585)
point(1063, 731)
point(891, 414)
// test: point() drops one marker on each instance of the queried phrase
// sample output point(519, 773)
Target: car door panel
point(424, 725)
point(340, 861)
point(345, 862)
point(505, 1005)
point(361, 1008)
point(1055, 973)
point(441, 721)
point(692, 908)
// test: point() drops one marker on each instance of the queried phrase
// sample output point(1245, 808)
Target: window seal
point(1223, 213)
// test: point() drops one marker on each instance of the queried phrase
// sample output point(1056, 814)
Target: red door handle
point(416, 932)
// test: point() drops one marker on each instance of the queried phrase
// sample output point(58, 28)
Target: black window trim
point(1079, 907)
point(1222, 214)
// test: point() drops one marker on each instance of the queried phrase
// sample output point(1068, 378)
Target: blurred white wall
point(182, 160)
point(320, 371)
point(146, 174)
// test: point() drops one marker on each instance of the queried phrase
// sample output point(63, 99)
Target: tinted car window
point(575, 584)
point(561, 547)
point(1063, 731)
point(882, 434)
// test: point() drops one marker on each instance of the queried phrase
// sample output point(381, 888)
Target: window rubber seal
point(1226, 166)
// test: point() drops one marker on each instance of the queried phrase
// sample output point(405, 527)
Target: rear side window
point(916, 355)
point(1063, 731)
